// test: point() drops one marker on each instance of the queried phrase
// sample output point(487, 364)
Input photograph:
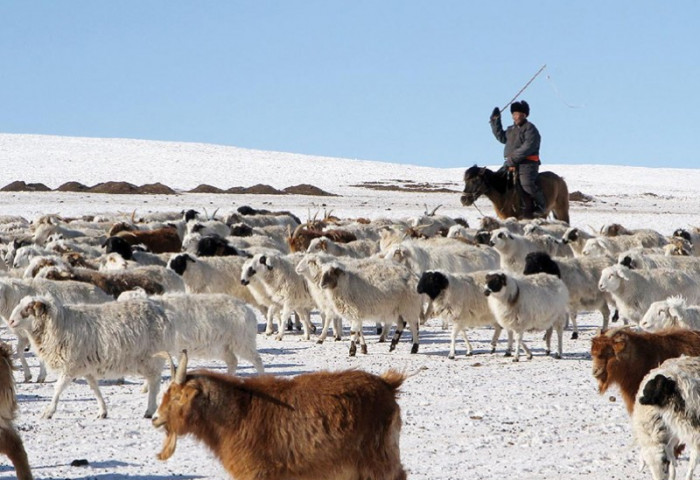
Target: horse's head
point(474, 185)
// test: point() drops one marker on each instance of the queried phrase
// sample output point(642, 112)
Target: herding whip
point(523, 89)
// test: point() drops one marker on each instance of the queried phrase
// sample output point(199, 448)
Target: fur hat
point(521, 107)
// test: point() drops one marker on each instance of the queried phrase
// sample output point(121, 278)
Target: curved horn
point(298, 229)
point(181, 373)
point(169, 358)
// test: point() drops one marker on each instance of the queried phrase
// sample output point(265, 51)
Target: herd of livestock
point(100, 297)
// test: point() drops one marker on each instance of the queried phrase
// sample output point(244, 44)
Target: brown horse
point(505, 197)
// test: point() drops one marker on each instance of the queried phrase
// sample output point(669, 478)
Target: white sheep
point(635, 290)
point(355, 249)
point(284, 286)
point(442, 254)
point(212, 275)
point(673, 312)
point(459, 299)
point(615, 245)
point(533, 302)
point(373, 289)
point(655, 439)
point(513, 248)
point(95, 341)
point(209, 326)
point(639, 259)
point(13, 290)
point(674, 389)
point(576, 239)
point(311, 268)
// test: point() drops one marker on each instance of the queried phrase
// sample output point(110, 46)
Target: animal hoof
point(414, 348)
point(379, 330)
point(557, 356)
point(353, 350)
point(516, 359)
point(493, 350)
point(319, 342)
point(146, 415)
point(104, 415)
point(363, 349)
point(574, 336)
point(547, 352)
point(392, 347)
point(382, 340)
point(507, 354)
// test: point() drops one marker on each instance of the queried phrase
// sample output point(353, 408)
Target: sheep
point(301, 237)
point(354, 249)
point(165, 277)
point(284, 286)
point(535, 302)
point(655, 439)
point(622, 356)
point(446, 254)
point(44, 230)
point(38, 263)
point(513, 248)
point(272, 427)
point(635, 290)
point(10, 441)
point(13, 290)
point(576, 239)
point(310, 267)
point(580, 275)
point(373, 289)
point(491, 223)
point(24, 255)
point(262, 218)
point(459, 298)
point(674, 389)
point(209, 326)
point(94, 341)
point(692, 237)
point(671, 313)
point(208, 227)
point(639, 260)
point(212, 275)
point(216, 246)
point(160, 240)
point(428, 225)
point(615, 245)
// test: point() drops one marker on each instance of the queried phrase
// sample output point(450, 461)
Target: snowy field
point(478, 417)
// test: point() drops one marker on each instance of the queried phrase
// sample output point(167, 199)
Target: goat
point(270, 427)
point(10, 441)
point(160, 240)
point(113, 282)
point(535, 302)
point(671, 313)
point(95, 341)
point(300, 239)
point(622, 356)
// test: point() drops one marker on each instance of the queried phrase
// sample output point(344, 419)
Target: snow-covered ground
point(480, 417)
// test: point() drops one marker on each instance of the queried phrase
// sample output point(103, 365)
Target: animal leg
point(453, 341)
point(306, 321)
point(12, 446)
point(548, 340)
point(271, 311)
point(400, 325)
point(574, 324)
point(21, 346)
point(61, 384)
point(92, 382)
point(509, 343)
point(560, 339)
point(153, 388)
point(283, 319)
point(231, 362)
point(494, 339)
point(337, 328)
point(325, 323)
point(466, 341)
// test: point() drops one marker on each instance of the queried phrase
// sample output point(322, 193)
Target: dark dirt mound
point(408, 186)
point(259, 189)
point(122, 188)
point(156, 189)
point(306, 189)
point(20, 186)
point(579, 197)
point(204, 188)
point(73, 187)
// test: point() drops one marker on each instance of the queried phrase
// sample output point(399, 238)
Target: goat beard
point(169, 445)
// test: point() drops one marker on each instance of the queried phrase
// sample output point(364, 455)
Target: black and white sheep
point(533, 302)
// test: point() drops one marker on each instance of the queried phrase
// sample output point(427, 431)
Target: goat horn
point(214, 214)
point(299, 228)
point(181, 373)
point(169, 358)
point(432, 214)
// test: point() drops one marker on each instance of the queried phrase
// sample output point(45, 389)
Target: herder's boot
point(526, 206)
point(540, 207)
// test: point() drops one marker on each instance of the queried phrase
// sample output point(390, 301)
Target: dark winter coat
point(521, 141)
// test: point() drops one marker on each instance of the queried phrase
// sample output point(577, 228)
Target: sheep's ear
point(38, 308)
point(675, 313)
point(189, 258)
point(623, 274)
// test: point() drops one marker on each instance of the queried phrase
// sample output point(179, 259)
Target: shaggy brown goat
point(10, 441)
point(114, 283)
point(324, 425)
point(623, 356)
point(300, 239)
point(159, 240)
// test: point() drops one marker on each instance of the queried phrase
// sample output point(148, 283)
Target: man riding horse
point(522, 155)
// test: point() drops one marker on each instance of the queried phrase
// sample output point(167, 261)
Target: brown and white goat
point(622, 356)
point(10, 441)
point(330, 425)
point(159, 240)
point(300, 239)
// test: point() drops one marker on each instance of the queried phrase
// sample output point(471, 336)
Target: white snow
point(481, 417)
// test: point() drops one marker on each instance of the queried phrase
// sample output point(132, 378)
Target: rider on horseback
point(522, 152)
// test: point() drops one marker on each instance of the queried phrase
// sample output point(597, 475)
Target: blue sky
point(398, 81)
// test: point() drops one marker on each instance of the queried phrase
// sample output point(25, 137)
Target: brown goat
point(623, 356)
point(114, 283)
point(325, 425)
point(300, 239)
point(10, 441)
point(159, 240)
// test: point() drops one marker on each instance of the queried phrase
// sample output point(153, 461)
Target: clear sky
point(392, 80)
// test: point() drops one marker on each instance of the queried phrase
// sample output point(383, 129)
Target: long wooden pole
point(523, 89)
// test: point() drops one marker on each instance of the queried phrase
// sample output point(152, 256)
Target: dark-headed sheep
point(329, 425)
point(159, 240)
point(623, 357)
